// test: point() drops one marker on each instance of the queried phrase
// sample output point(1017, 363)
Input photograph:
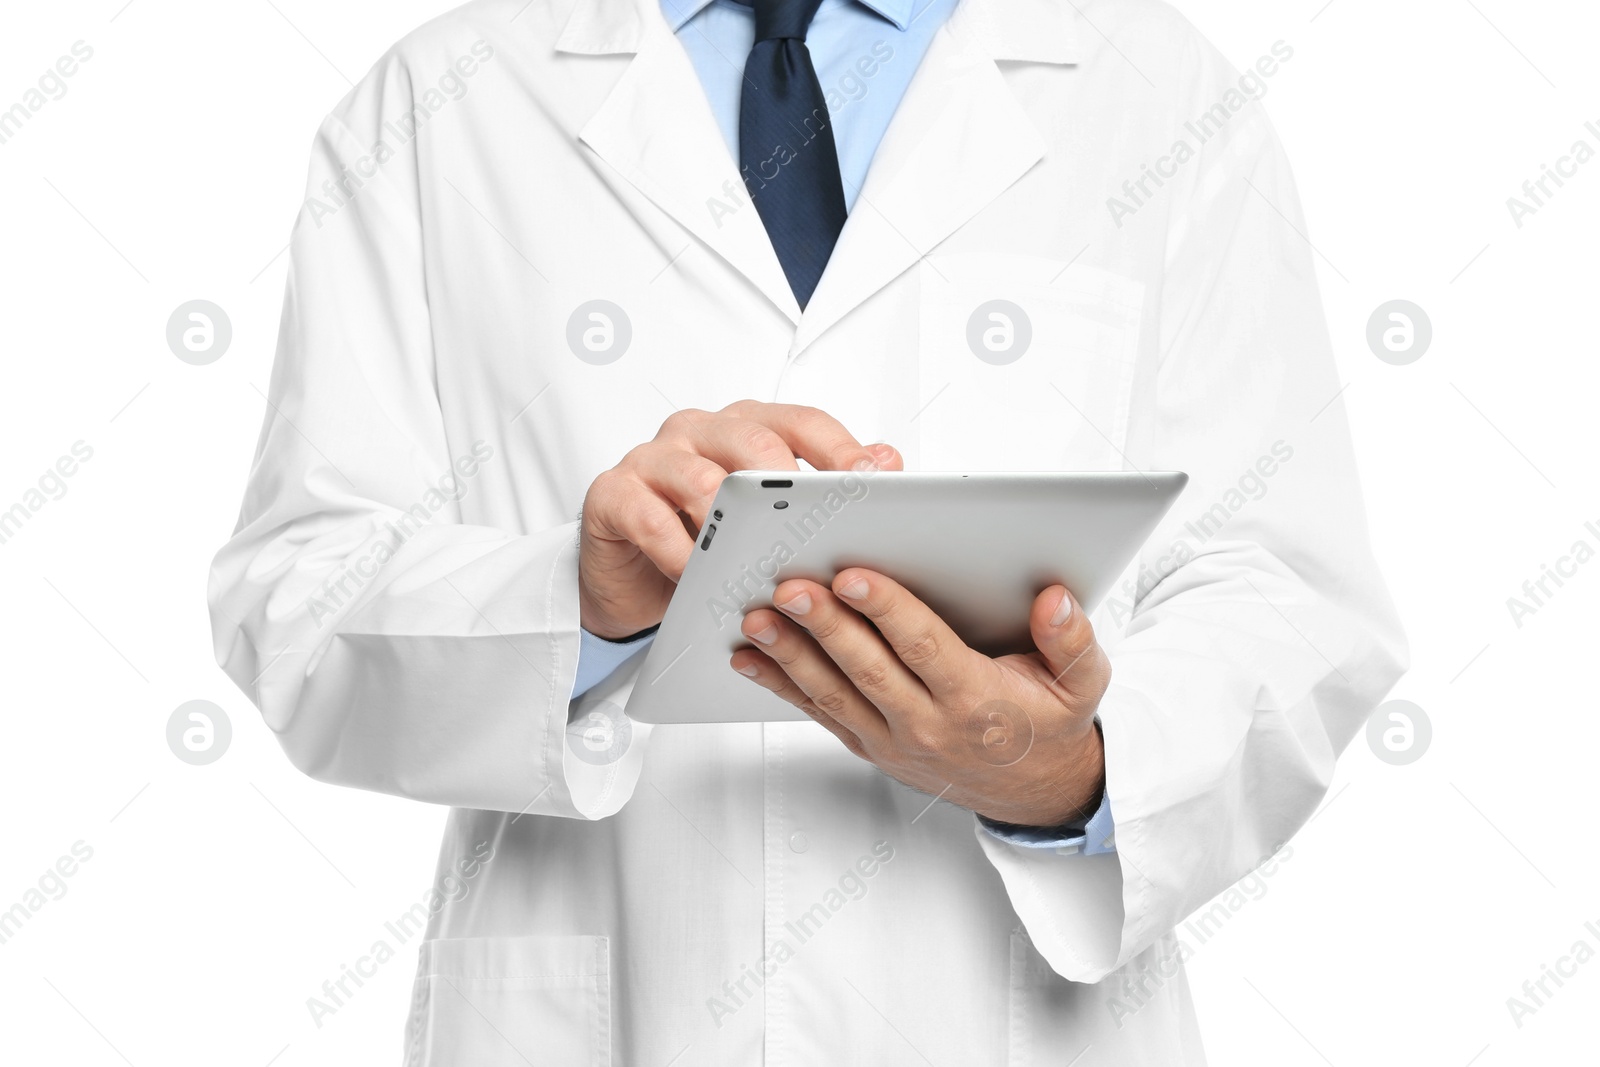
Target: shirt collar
point(899, 12)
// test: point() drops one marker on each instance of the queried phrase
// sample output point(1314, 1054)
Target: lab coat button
point(798, 841)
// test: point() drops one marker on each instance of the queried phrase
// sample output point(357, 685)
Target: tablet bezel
point(1076, 528)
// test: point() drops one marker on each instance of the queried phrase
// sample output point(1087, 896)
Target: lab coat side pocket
point(1140, 1016)
point(511, 1001)
point(1047, 1023)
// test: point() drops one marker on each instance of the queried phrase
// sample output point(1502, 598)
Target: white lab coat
point(750, 893)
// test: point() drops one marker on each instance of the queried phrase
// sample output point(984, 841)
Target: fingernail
point(799, 605)
point(749, 670)
point(765, 637)
point(1063, 609)
point(854, 589)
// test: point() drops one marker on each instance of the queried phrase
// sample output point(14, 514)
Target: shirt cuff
point(1094, 838)
point(599, 657)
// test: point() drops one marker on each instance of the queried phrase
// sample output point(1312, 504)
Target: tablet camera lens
point(780, 504)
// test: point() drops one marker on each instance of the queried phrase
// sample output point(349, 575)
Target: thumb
point(886, 457)
point(1064, 637)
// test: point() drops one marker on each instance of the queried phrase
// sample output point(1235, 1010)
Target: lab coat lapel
point(656, 129)
point(959, 139)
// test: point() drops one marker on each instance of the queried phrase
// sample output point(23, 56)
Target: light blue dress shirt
point(865, 52)
point(599, 658)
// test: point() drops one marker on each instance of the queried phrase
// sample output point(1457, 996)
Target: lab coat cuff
point(601, 750)
point(1090, 914)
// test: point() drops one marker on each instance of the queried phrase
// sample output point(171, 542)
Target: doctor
point(589, 254)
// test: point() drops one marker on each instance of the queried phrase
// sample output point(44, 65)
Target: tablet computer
point(975, 547)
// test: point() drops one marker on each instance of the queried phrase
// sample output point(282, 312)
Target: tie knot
point(778, 19)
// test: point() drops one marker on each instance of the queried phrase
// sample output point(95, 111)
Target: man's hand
point(641, 516)
point(1011, 738)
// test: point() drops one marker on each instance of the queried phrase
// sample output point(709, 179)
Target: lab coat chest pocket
point(1025, 363)
point(495, 1001)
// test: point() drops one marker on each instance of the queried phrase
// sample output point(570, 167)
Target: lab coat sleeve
point(390, 645)
point(1259, 635)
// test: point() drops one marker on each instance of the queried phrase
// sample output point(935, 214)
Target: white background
point(219, 898)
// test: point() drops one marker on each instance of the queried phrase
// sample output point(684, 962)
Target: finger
point(922, 640)
point(817, 437)
point(767, 674)
point(1065, 638)
point(855, 646)
point(621, 508)
point(816, 674)
point(686, 480)
point(730, 442)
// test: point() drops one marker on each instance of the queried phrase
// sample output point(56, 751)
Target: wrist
point(602, 624)
point(1067, 799)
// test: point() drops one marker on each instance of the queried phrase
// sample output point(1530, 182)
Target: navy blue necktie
point(787, 156)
